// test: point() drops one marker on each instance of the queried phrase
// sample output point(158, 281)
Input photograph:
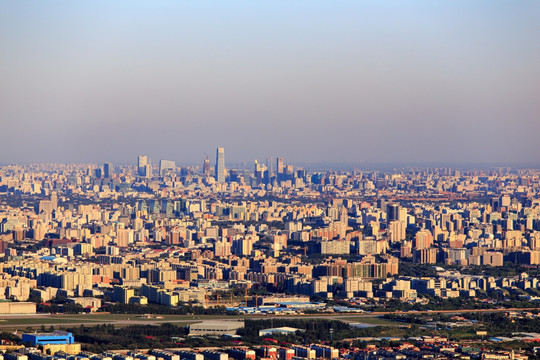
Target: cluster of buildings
point(433, 347)
point(61, 346)
point(454, 284)
point(168, 234)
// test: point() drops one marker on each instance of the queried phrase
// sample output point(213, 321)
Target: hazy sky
point(312, 81)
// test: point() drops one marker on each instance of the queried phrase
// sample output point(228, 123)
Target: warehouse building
point(56, 337)
point(215, 327)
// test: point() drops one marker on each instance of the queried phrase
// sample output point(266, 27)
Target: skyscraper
point(54, 200)
point(280, 167)
point(206, 167)
point(220, 165)
point(108, 170)
point(147, 171)
point(166, 167)
point(392, 212)
point(142, 161)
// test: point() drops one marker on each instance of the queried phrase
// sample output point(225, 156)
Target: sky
point(311, 81)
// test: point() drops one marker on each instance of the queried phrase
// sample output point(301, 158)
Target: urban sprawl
point(157, 261)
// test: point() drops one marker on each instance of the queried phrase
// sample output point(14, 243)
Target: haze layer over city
point(355, 82)
point(269, 180)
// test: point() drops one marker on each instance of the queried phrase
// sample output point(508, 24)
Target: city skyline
point(158, 163)
point(397, 82)
point(374, 193)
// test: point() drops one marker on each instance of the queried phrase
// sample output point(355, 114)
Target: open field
point(25, 321)
point(35, 321)
point(371, 320)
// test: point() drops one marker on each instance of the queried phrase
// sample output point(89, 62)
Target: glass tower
point(220, 165)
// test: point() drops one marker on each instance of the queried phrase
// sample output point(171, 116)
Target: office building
point(392, 212)
point(54, 200)
point(108, 170)
point(220, 165)
point(280, 167)
point(142, 162)
point(166, 167)
point(206, 167)
point(148, 171)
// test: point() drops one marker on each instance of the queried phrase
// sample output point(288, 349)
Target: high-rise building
point(166, 167)
point(397, 230)
point(108, 170)
point(392, 212)
point(54, 200)
point(381, 204)
point(259, 172)
point(423, 239)
point(147, 171)
point(280, 167)
point(220, 165)
point(122, 294)
point(142, 161)
point(206, 167)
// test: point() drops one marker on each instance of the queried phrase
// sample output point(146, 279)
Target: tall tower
point(280, 166)
point(108, 170)
point(54, 200)
point(392, 212)
point(220, 165)
point(142, 161)
point(147, 171)
point(166, 167)
point(206, 167)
